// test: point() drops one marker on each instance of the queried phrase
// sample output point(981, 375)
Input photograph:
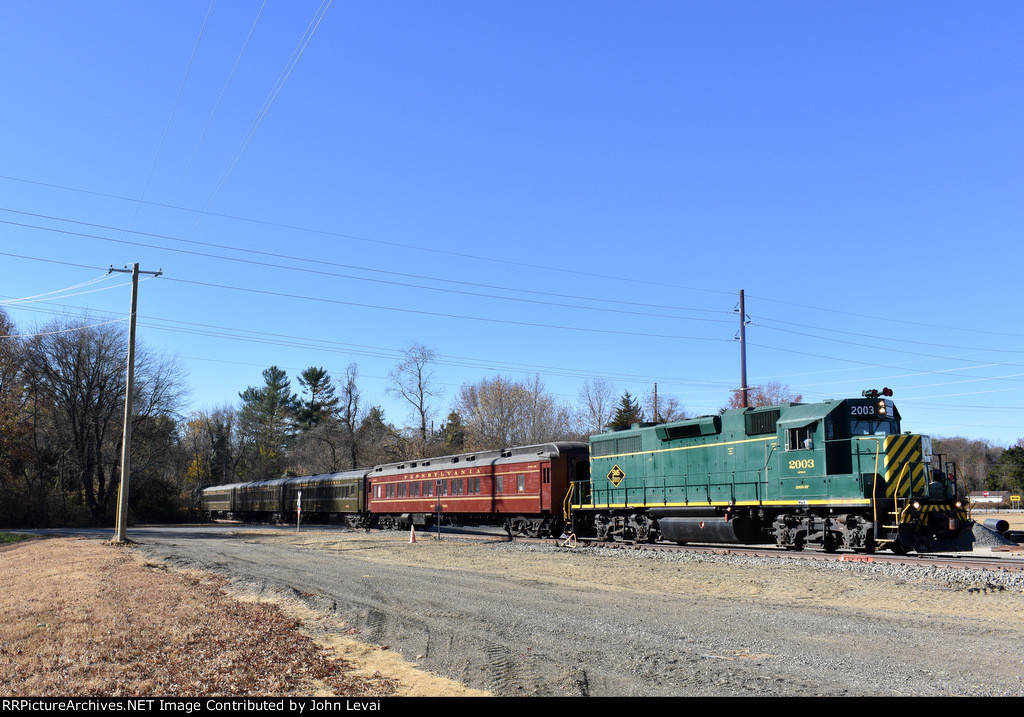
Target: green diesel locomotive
point(839, 474)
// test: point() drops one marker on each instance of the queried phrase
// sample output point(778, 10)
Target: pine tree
point(627, 413)
point(266, 422)
point(452, 434)
point(322, 398)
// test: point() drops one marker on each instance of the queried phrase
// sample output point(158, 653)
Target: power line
point(174, 109)
point(461, 317)
point(38, 297)
point(558, 327)
point(213, 112)
point(322, 262)
point(873, 337)
point(380, 242)
point(320, 344)
point(318, 17)
point(872, 364)
point(475, 257)
point(61, 331)
point(889, 318)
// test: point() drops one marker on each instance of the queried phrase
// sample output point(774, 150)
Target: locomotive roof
point(790, 414)
point(802, 413)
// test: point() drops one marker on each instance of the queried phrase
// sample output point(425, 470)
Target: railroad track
point(981, 561)
point(996, 561)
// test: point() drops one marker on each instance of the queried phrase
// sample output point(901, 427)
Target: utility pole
point(122, 493)
point(743, 351)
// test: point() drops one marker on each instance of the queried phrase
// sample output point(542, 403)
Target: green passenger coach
point(837, 473)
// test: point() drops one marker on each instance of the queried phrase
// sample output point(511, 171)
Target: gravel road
point(520, 620)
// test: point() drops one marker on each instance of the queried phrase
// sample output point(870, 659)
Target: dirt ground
point(519, 620)
point(1015, 519)
point(752, 583)
point(81, 617)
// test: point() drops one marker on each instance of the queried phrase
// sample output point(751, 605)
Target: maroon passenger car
point(523, 488)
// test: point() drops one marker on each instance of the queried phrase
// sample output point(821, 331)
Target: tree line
point(62, 393)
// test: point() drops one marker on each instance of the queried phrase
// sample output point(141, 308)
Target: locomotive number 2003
point(862, 410)
point(803, 463)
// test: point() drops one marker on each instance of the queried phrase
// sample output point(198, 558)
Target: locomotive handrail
point(874, 480)
point(768, 457)
point(899, 479)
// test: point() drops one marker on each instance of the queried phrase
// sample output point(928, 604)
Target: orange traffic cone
point(412, 533)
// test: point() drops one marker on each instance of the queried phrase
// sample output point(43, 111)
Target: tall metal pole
point(122, 493)
point(743, 351)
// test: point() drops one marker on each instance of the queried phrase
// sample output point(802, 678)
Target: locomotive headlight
point(881, 408)
point(959, 504)
point(916, 505)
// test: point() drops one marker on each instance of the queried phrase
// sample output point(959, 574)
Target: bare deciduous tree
point(76, 373)
point(668, 407)
point(974, 458)
point(597, 398)
point(349, 413)
point(500, 412)
point(210, 444)
point(413, 380)
point(768, 394)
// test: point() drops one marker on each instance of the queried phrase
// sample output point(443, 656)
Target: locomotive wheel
point(869, 546)
point(798, 543)
point(830, 542)
point(554, 528)
point(898, 548)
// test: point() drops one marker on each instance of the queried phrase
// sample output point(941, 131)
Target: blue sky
point(572, 189)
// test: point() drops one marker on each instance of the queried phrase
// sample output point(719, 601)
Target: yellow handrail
point(896, 495)
point(874, 481)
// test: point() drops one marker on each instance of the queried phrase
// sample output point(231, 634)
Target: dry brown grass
point(1016, 520)
point(79, 617)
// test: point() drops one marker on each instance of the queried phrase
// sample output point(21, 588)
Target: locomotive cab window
point(800, 439)
point(872, 427)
